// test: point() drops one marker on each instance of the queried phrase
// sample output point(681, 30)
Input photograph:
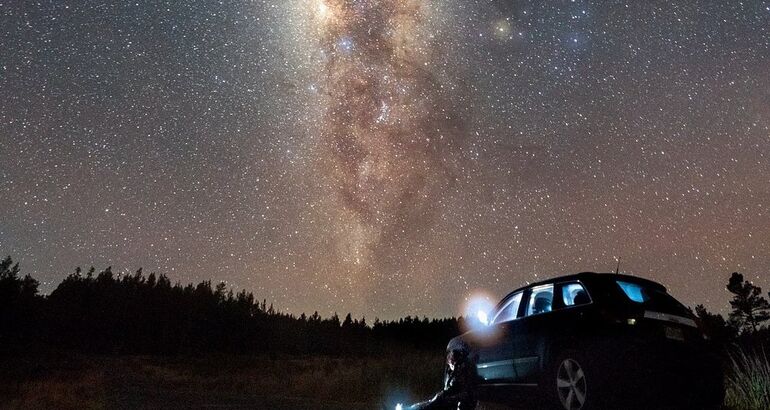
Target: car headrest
point(581, 298)
point(542, 304)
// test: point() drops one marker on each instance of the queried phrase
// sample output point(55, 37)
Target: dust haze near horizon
point(388, 157)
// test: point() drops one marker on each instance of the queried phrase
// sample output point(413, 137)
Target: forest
point(147, 314)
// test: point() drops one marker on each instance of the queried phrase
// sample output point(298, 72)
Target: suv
point(593, 340)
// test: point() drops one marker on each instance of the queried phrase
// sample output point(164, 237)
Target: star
point(387, 157)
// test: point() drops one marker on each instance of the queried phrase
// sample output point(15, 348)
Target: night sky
point(387, 157)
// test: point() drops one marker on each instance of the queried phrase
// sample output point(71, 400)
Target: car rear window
point(574, 294)
point(651, 298)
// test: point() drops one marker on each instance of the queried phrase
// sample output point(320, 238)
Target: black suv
point(595, 340)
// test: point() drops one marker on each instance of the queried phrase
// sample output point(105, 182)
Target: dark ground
point(63, 381)
point(72, 381)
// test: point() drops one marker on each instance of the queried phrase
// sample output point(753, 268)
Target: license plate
point(674, 333)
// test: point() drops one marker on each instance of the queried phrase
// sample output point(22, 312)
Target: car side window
point(510, 309)
point(574, 294)
point(540, 300)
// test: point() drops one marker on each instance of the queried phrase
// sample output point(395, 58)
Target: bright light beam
point(482, 316)
point(477, 308)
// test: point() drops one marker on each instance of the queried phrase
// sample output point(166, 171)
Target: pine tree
point(348, 322)
point(750, 308)
point(715, 326)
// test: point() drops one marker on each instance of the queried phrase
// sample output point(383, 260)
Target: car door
point(534, 323)
point(548, 316)
point(497, 345)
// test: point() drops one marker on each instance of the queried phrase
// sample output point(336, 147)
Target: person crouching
point(459, 385)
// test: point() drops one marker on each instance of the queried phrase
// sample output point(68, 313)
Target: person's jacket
point(459, 386)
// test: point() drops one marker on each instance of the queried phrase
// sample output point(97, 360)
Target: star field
point(387, 157)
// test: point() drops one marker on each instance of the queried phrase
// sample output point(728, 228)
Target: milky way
point(391, 133)
point(387, 157)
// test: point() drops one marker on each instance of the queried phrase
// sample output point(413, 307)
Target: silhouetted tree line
point(147, 314)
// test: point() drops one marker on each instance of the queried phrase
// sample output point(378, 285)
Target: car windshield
point(651, 298)
point(509, 310)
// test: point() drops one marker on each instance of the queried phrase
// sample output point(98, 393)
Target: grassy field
point(80, 382)
point(67, 381)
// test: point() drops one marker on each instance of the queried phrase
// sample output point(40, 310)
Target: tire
point(569, 384)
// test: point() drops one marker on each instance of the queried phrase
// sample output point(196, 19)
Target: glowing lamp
point(482, 316)
point(399, 406)
point(478, 309)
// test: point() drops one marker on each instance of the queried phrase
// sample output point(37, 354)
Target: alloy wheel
point(571, 385)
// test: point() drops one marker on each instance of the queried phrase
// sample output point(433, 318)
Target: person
point(459, 385)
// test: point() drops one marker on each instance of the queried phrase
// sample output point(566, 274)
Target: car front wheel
point(569, 383)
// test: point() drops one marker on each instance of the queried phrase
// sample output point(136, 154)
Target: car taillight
point(620, 318)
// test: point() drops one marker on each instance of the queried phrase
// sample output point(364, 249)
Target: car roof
point(592, 276)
